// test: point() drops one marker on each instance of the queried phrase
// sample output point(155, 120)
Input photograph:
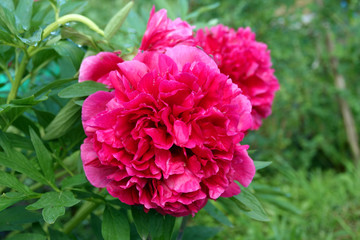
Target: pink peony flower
point(98, 68)
point(161, 32)
point(246, 61)
point(168, 136)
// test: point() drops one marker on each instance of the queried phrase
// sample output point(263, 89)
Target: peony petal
point(182, 54)
point(243, 165)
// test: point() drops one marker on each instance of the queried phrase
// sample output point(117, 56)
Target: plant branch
point(182, 227)
point(80, 215)
point(18, 76)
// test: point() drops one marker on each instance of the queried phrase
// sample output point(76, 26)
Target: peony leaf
point(213, 211)
point(115, 223)
point(256, 212)
point(43, 156)
point(82, 89)
point(13, 218)
point(261, 164)
point(51, 213)
point(17, 161)
point(12, 182)
point(117, 20)
point(65, 119)
point(10, 198)
point(23, 14)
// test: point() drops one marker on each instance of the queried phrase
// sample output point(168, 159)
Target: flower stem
point(71, 18)
point(182, 227)
point(18, 76)
point(80, 215)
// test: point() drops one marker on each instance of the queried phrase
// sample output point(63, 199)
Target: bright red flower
point(161, 32)
point(246, 61)
point(168, 136)
point(98, 68)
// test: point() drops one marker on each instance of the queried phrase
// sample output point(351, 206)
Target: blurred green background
point(313, 147)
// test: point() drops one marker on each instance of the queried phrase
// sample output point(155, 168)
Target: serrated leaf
point(261, 164)
point(12, 182)
point(65, 119)
point(43, 156)
point(82, 89)
point(27, 236)
point(217, 214)
point(115, 223)
point(256, 212)
point(17, 161)
point(117, 20)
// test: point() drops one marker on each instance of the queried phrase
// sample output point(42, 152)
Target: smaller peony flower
point(98, 68)
point(246, 61)
point(168, 136)
point(162, 32)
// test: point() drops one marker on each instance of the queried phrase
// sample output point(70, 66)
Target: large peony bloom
point(168, 136)
point(98, 68)
point(246, 61)
point(161, 32)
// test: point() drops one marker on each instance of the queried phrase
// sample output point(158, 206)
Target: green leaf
point(77, 37)
point(50, 199)
point(13, 218)
point(10, 198)
point(117, 20)
point(202, 10)
point(8, 4)
point(95, 224)
point(23, 13)
point(18, 141)
point(200, 232)
point(52, 85)
point(51, 213)
point(53, 204)
point(33, 39)
point(261, 164)
point(57, 235)
point(11, 181)
point(164, 4)
point(217, 214)
point(74, 181)
point(115, 223)
point(153, 223)
point(43, 156)
point(71, 51)
point(65, 119)
point(282, 204)
point(27, 236)
point(17, 161)
point(7, 20)
point(256, 212)
point(82, 89)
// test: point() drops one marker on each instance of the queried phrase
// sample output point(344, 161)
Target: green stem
point(182, 228)
point(18, 76)
point(72, 18)
point(80, 215)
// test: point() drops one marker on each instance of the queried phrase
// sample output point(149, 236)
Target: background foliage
point(308, 192)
